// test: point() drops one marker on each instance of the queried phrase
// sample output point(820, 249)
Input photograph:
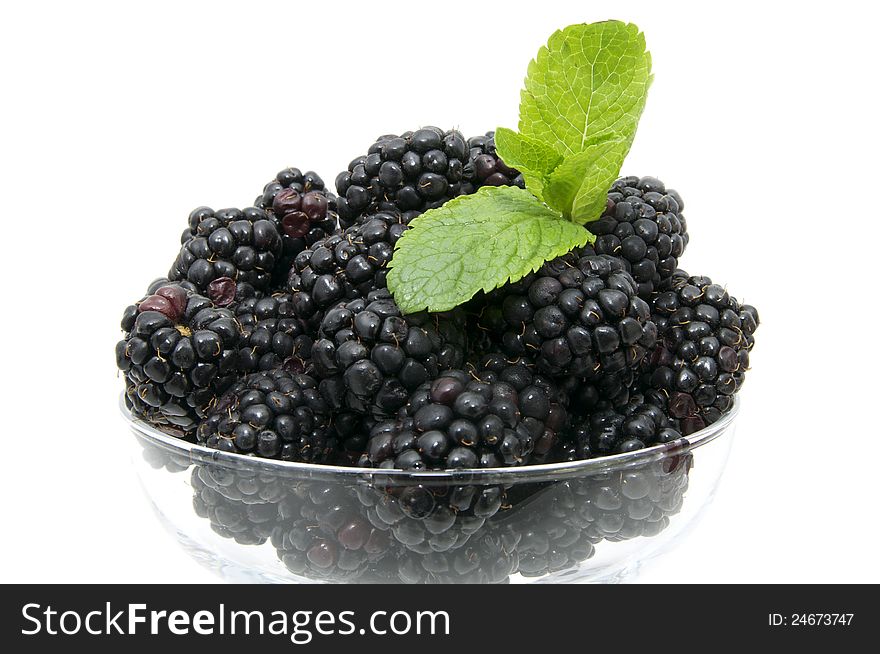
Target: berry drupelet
point(380, 356)
point(459, 420)
point(417, 171)
point(179, 352)
point(643, 224)
point(702, 356)
point(578, 315)
point(240, 244)
point(273, 414)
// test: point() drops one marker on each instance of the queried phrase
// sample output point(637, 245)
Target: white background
point(118, 119)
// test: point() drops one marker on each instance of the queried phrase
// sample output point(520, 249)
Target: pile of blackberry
point(347, 531)
point(275, 336)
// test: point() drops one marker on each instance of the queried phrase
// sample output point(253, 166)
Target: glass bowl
point(257, 520)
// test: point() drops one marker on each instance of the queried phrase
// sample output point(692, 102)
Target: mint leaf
point(476, 242)
point(587, 81)
point(533, 158)
point(524, 152)
point(578, 187)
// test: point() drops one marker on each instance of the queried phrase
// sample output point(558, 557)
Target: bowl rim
point(196, 453)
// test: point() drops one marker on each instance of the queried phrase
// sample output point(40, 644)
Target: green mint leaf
point(476, 242)
point(588, 81)
point(522, 152)
point(533, 158)
point(579, 186)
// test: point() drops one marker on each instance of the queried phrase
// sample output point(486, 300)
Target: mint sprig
point(579, 110)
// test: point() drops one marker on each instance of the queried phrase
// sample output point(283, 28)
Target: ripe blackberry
point(702, 356)
point(381, 356)
point(240, 505)
point(521, 374)
point(636, 425)
point(461, 421)
point(273, 414)
point(324, 536)
point(605, 392)
point(304, 211)
point(643, 224)
point(163, 458)
point(272, 335)
point(344, 266)
point(417, 171)
point(178, 353)
point(240, 244)
point(551, 532)
point(426, 518)
point(489, 557)
point(577, 316)
point(561, 525)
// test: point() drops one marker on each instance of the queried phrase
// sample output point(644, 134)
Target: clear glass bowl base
point(251, 520)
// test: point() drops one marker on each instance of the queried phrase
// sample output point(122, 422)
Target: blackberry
point(551, 532)
point(521, 374)
point(273, 414)
point(417, 171)
point(324, 536)
point(240, 244)
point(178, 353)
point(344, 266)
point(560, 525)
point(240, 505)
point(303, 209)
point(381, 356)
point(643, 224)
point(272, 335)
point(426, 518)
point(489, 557)
point(611, 391)
point(577, 316)
point(163, 458)
point(702, 355)
point(636, 425)
point(461, 421)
